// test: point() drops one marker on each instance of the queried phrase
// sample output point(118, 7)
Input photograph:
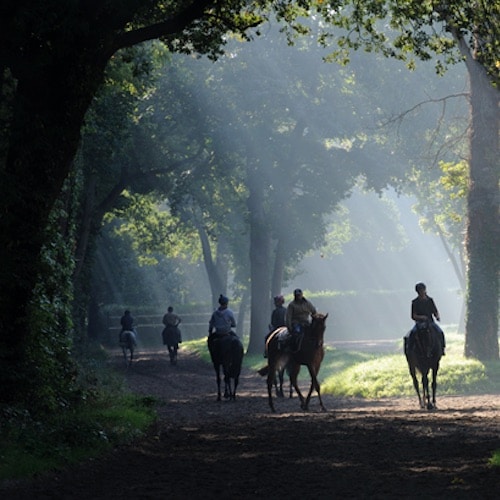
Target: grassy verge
point(108, 417)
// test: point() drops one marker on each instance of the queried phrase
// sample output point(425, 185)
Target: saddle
point(288, 341)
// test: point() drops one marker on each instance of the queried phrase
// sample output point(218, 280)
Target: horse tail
point(264, 371)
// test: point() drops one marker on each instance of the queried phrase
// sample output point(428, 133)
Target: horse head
point(318, 323)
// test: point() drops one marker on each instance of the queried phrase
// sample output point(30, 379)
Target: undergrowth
point(108, 416)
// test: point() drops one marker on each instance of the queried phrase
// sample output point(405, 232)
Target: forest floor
point(204, 449)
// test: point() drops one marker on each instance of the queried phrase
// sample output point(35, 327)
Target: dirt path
point(202, 449)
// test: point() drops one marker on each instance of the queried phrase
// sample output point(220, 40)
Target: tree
point(53, 59)
point(456, 31)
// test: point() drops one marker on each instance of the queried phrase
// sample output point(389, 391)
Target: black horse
point(171, 336)
point(423, 352)
point(128, 342)
point(226, 351)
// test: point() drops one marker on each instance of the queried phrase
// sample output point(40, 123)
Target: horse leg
point(434, 386)
point(275, 383)
point(236, 380)
point(217, 373)
point(314, 386)
point(318, 390)
point(279, 391)
point(227, 386)
point(415, 384)
point(294, 372)
point(271, 380)
point(425, 384)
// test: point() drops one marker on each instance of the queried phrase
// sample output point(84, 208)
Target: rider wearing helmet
point(277, 317)
point(424, 309)
point(298, 315)
point(222, 320)
point(278, 314)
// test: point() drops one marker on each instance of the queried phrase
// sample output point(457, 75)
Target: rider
point(222, 320)
point(423, 308)
point(279, 313)
point(277, 317)
point(127, 322)
point(172, 321)
point(298, 316)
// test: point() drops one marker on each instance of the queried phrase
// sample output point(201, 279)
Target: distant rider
point(127, 322)
point(172, 322)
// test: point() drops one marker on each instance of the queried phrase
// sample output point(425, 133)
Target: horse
point(423, 353)
point(310, 353)
point(226, 351)
point(128, 341)
point(172, 338)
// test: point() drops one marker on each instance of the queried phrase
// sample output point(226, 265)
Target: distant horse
point(128, 341)
point(226, 351)
point(310, 353)
point(423, 353)
point(172, 338)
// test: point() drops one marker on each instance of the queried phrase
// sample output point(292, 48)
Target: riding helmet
point(223, 300)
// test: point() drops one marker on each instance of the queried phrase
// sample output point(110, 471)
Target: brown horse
point(310, 353)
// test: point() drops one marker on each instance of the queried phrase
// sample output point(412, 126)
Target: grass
point(108, 417)
point(30, 447)
point(375, 375)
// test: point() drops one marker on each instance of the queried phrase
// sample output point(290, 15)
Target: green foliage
point(105, 416)
point(495, 459)
point(50, 370)
point(30, 447)
point(415, 29)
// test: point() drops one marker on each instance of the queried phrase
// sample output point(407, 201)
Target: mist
point(384, 280)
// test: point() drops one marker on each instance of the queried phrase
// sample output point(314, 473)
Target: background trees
point(53, 60)
point(451, 32)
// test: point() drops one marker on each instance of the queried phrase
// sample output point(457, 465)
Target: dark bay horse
point(128, 342)
point(171, 336)
point(310, 353)
point(226, 351)
point(423, 353)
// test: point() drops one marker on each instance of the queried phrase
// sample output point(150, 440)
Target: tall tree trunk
point(216, 280)
point(483, 230)
point(45, 131)
point(260, 254)
point(279, 267)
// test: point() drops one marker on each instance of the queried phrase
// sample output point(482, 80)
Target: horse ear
point(326, 315)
